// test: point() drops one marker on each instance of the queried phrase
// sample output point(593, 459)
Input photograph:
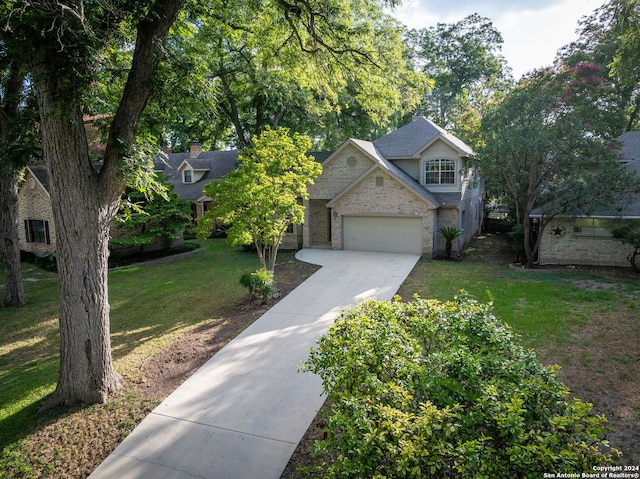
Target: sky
point(532, 30)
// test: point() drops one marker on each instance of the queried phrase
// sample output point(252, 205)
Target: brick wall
point(390, 198)
point(34, 203)
point(559, 245)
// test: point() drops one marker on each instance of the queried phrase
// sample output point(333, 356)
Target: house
point(189, 172)
point(393, 194)
point(36, 228)
point(587, 240)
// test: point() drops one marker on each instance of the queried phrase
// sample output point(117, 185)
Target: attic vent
point(379, 181)
point(352, 161)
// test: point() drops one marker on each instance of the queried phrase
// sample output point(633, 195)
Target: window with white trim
point(440, 171)
point(188, 176)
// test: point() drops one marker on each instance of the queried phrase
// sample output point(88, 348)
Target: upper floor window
point(440, 172)
point(188, 176)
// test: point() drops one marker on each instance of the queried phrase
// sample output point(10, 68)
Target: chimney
point(195, 149)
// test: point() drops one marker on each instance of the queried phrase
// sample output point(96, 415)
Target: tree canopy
point(465, 63)
point(551, 145)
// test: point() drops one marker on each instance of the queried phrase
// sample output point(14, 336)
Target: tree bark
point(85, 200)
point(82, 211)
point(9, 247)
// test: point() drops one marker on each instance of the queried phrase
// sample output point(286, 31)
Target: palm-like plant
point(450, 233)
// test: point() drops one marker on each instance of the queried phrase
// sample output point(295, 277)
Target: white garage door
point(383, 233)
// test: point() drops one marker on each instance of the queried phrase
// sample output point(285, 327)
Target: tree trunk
point(85, 200)
point(9, 248)
point(82, 211)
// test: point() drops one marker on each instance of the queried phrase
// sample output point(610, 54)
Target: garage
point(383, 233)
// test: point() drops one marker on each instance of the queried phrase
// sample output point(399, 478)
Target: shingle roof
point(216, 163)
point(41, 172)
point(410, 140)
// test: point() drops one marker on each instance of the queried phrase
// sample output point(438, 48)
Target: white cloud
point(532, 33)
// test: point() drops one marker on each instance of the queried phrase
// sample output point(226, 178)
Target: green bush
point(431, 389)
point(260, 284)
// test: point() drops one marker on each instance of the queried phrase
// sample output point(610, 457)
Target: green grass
point(150, 306)
point(538, 305)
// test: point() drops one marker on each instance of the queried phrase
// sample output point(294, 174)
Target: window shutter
point(46, 232)
point(26, 231)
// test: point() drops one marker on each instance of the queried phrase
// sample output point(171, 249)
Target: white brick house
point(587, 239)
point(394, 193)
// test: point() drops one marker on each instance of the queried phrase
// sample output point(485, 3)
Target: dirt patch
point(164, 373)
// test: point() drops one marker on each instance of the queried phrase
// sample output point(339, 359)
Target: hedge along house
point(587, 239)
point(393, 194)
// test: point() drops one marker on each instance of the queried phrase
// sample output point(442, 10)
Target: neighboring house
point(36, 228)
point(587, 240)
point(394, 194)
point(190, 172)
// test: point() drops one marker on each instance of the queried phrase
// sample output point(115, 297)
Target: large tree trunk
point(84, 200)
point(82, 211)
point(9, 248)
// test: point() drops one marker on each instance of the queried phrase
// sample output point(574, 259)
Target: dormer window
point(187, 176)
point(440, 172)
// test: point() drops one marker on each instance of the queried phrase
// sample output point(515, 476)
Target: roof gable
point(412, 139)
point(379, 162)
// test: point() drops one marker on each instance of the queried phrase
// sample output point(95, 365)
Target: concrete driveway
point(242, 414)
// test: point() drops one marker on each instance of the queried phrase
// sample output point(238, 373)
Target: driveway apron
point(242, 414)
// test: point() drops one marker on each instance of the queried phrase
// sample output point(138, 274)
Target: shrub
point(432, 389)
point(260, 284)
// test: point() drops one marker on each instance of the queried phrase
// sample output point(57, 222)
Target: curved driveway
point(242, 414)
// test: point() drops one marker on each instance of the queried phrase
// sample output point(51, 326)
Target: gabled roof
point(41, 173)
point(399, 174)
point(412, 139)
point(216, 164)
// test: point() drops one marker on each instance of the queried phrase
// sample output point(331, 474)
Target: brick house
point(36, 228)
point(393, 194)
point(587, 239)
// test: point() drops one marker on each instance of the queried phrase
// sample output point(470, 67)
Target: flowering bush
point(433, 389)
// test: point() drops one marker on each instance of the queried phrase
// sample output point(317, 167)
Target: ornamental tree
point(263, 195)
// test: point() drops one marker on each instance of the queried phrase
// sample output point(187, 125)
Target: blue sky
point(533, 30)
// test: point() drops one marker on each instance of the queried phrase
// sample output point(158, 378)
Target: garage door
point(383, 233)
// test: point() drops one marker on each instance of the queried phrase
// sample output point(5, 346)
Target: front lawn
point(152, 305)
point(587, 320)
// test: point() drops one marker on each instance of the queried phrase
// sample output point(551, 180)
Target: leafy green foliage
point(468, 70)
point(443, 389)
point(260, 284)
point(629, 233)
point(262, 196)
point(152, 218)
